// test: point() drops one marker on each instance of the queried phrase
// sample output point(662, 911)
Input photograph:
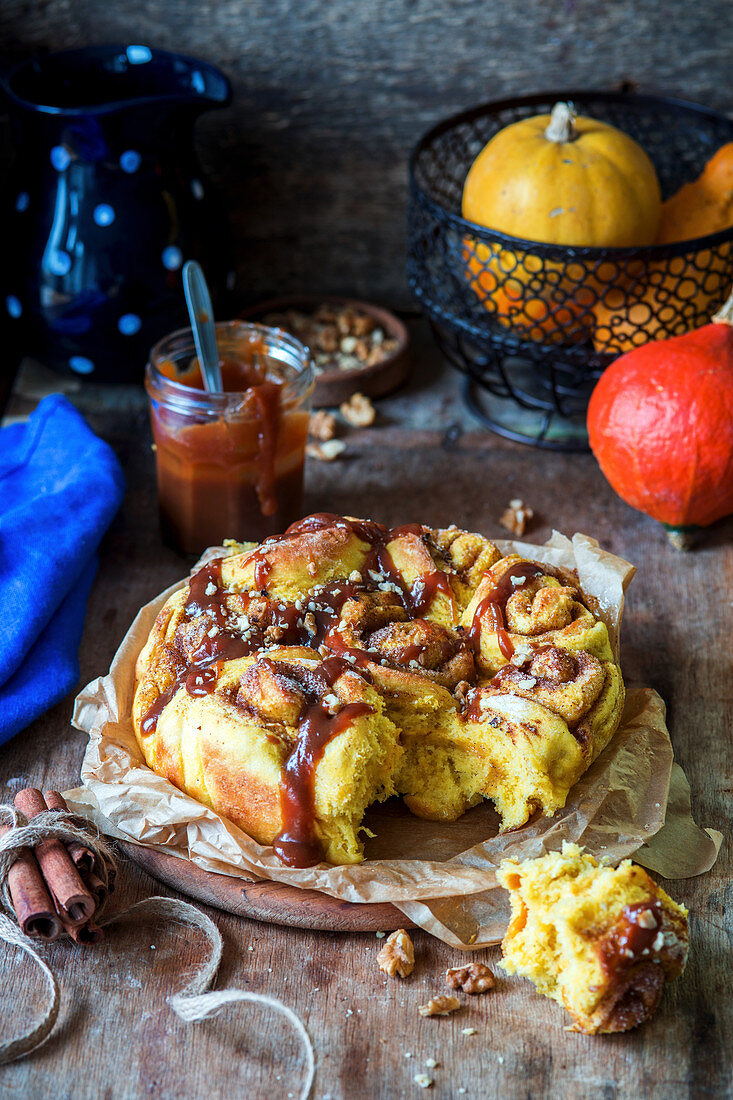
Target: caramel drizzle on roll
point(516, 578)
point(296, 844)
point(416, 598)
point(631, 937)
point(200, 673)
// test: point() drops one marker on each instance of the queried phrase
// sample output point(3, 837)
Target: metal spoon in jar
point(201, 313)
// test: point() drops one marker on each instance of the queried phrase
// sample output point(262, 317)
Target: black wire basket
point(532, 326)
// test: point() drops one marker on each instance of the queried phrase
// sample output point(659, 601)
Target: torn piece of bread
point(599, 940)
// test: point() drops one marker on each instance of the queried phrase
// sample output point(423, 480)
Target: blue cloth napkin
point(60, 487)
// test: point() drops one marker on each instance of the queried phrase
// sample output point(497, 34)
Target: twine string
point(10, 1049)
point(192, 1003)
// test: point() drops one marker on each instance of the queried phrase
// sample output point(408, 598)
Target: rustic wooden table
point(117, 1037)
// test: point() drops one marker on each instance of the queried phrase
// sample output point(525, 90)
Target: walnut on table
point(326, 451)
point(358, 411)
point(439, 1006)
point(516, 518)
point(322, 425)
point(397, 956)
point(473, 978)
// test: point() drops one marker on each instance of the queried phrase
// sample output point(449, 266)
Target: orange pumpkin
point(675, 296)
point(671, 300)
point(703, 206)
point(660, 423)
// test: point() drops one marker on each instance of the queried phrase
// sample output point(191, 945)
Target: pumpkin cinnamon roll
point(291, 684)
point(601, 941)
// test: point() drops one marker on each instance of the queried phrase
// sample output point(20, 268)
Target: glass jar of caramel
point(230, 464)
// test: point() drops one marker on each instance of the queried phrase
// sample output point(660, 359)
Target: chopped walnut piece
point(322, 425)
point(362, 324)
point(397, 957)
point(472, 978)
point(376, 355)
point(516, 517)
point(361, 350)
point(328, 338)
point(439, 1006)
point(358, 411)
point(460, 691)
point(326, 451)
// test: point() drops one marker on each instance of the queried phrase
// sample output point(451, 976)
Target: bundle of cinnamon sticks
point(56, 887)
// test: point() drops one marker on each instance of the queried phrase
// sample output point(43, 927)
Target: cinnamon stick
point(32, 902)
point(74, 902)
point(97, 889)
point(84, 859)
point(89, 933)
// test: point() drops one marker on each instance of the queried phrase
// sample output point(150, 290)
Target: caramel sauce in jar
point(229, 465)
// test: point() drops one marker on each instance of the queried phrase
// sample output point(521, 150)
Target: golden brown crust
point(482, 677)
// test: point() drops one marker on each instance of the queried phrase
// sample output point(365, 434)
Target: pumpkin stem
point(724, 316)
point(562, 123)
point(682, 537)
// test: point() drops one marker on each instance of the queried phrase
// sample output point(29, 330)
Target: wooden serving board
point(272, 902)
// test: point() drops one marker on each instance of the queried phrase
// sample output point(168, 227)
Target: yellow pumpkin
point(525, 293)
point(558, 179)
point(555, 179)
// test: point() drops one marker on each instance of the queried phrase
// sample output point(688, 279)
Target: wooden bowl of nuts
point(355, 345)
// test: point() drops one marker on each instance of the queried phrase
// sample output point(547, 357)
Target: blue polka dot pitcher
point(106, 203)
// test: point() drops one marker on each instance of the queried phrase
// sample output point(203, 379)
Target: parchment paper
point(442, 876)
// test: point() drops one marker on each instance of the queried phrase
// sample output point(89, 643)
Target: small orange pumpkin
point(675, 296)
point(660, 423)
point(671, 300)
point(703, 206)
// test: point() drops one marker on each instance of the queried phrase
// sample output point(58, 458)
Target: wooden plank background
point(330, 95)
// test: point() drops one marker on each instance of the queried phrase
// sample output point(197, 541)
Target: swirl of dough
point(439, 654)
point(566, 683)
point(368, 613)
point(541, 607)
